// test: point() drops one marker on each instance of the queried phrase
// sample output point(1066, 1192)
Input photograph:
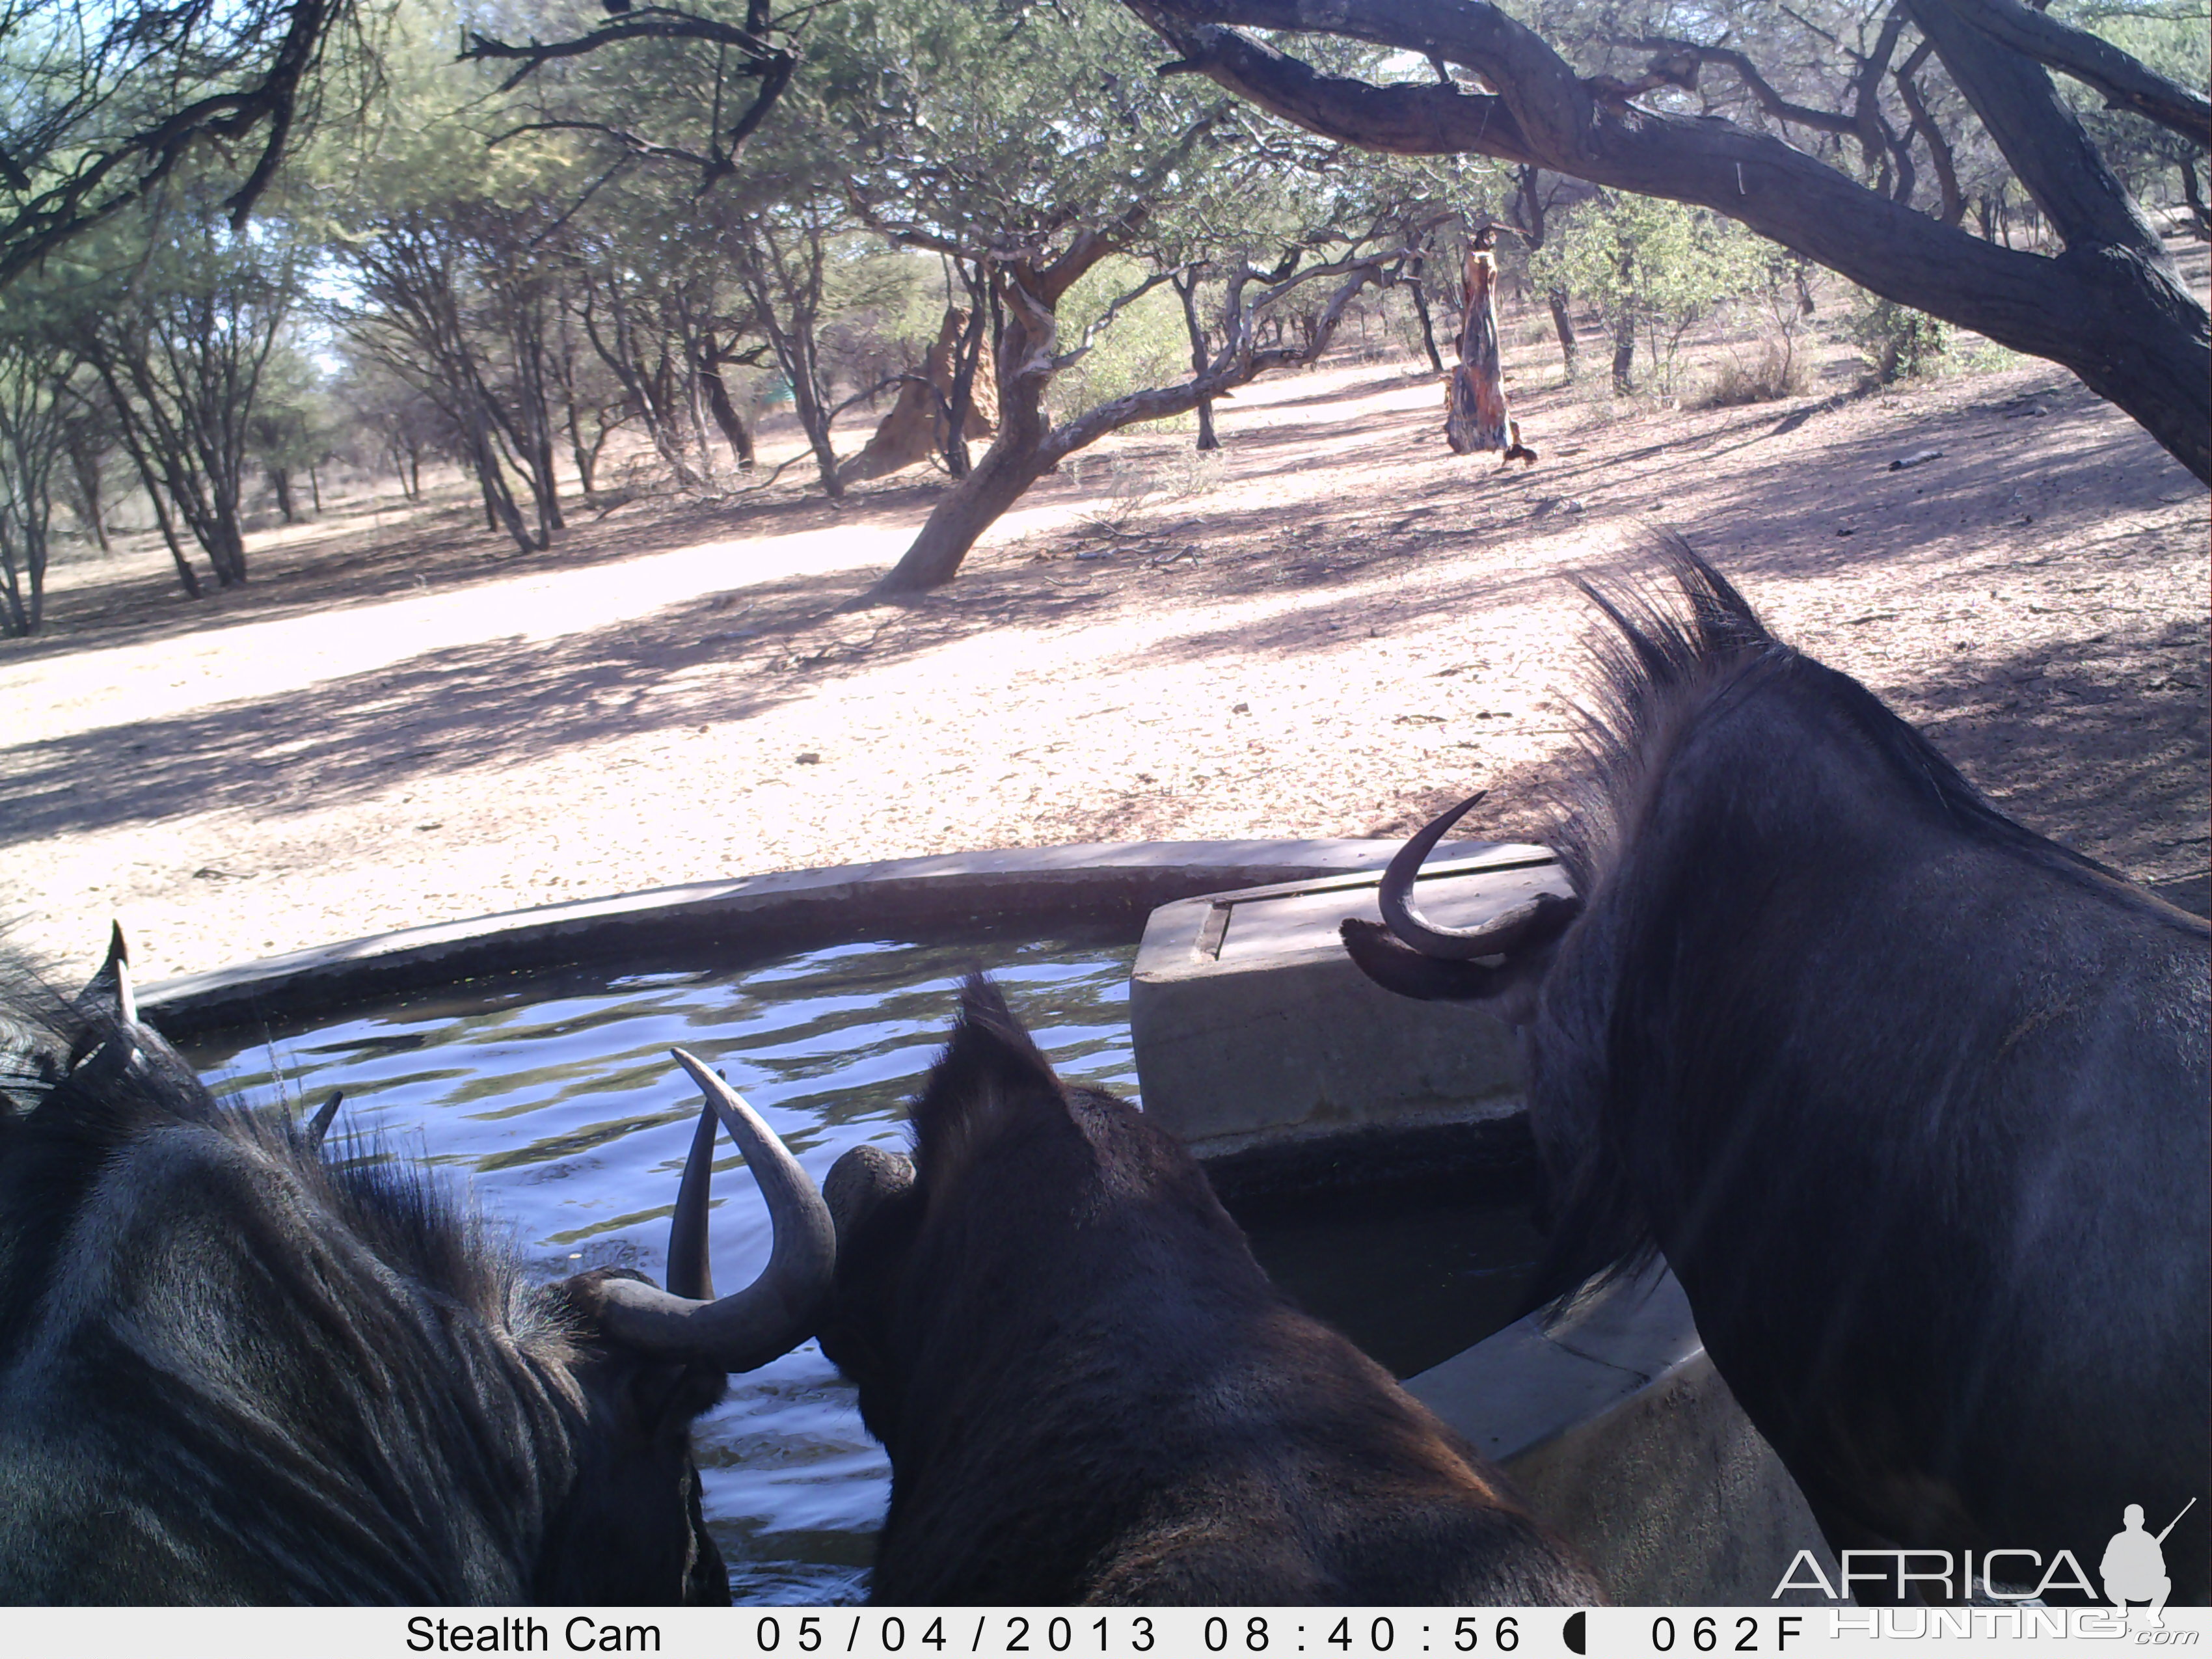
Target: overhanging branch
point(2095, 62)
point(2111, 308)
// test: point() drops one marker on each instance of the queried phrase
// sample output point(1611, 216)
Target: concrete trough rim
point(1081, 881)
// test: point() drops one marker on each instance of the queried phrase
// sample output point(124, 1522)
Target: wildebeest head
point(992, 1116)
point(236, 1369)
point(1006, 1156)
point(1091, 1392)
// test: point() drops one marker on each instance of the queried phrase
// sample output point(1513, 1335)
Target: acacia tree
point(180, 335)
point(2108, 304)
point(418, 318)
point(36, 402)
point(782, 255)
point(1067, 156)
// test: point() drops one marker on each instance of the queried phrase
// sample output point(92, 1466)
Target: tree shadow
point(443, 548)
point(498, 702)
point(1778, 516)
point(2100, 744)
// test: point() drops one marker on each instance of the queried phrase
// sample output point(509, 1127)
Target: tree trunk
point(1475, 415)
point(586, 459)
point(500, 511)
point(1428, 327)
point(1021, 359)
point(1563, 319)
point(84, 468)
point(1624, 353)
point(280, 480)
point(963, 513)
point(2200, 217)
point(17, 619)
point(725, 413)
point(1187, 292)
point(315, 488)
point(1010, 466)
point(813, 416)
point(184, 572)
point(974, 371)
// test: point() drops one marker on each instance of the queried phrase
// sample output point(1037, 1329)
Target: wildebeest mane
point(415, 1223)
point(1680, 655)
point(331, 1337)
point(1671, 659)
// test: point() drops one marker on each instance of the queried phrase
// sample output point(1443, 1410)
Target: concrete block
point(1616, 1428)
point(1249, 1021)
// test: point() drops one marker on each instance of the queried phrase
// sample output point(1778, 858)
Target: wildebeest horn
point(777, 1311)
point(319, 1125)
point(691, 1270)
point(111, 987)
point(1541, 916)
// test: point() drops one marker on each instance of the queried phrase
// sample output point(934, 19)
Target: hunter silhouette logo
point(2134, 1567)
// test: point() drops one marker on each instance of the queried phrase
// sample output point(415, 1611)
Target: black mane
point(1673, 656)
point(1679, 658)
point(298, 1372)
point(420, 1226)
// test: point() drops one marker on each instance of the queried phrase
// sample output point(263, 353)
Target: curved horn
point(690, 1271)
point(777, 1311)
point(319, 1125)
point(1545, 914)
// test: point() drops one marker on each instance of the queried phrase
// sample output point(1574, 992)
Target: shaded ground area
point(1338, 629)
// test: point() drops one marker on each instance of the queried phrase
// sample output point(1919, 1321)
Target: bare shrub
point(1778, 373)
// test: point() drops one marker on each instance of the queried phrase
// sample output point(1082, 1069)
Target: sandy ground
point(399, 722)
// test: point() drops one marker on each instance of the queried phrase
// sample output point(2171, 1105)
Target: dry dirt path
point(392, 725)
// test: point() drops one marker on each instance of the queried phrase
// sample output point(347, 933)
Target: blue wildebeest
point(1913, 1100)
point(1090, 1391)
point(233, 1370)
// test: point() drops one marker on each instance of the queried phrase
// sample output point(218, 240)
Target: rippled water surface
point(555, 1097)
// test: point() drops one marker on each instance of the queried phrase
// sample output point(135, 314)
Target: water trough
point(1375, 1147)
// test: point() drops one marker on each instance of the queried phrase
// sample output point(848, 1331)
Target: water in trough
point(554, 1095)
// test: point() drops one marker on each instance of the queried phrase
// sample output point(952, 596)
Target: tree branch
point(2039, 134)
point(1664, 71)
point(630, 142)
point(646, 24)
point(2112, 308)
point(142, 161)
point(2095, 62)
point(1402, 121)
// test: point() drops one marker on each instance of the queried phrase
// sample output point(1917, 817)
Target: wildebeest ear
point(990, 1076)
point(860, 1182)
point(1399, 967)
